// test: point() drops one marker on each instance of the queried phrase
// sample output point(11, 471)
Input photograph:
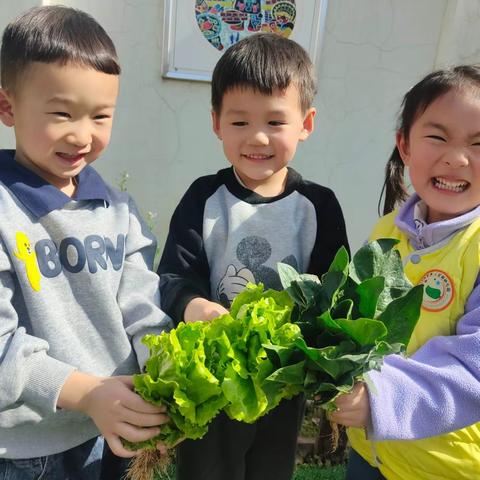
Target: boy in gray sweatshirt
point(77, 292)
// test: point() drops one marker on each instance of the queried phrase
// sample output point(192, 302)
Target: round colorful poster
point(224, 23)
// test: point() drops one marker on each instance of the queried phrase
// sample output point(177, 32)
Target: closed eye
point(60, 114)
point(436, 137)
point(275, 123)
point(101, 117)
point(239, 124)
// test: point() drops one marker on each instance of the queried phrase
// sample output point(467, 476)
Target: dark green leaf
point(370, 260)
point(287, 274)
point(293, 374)
point(368, 293)
point(340, 262)
point(328, 359)
point(342, 309)
point(364, 331)
point(279, 355)
point(401, 316)
point(331, 285)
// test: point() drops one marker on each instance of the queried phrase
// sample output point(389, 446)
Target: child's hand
point(116, 410)
point(202, 309)
point(353, 408)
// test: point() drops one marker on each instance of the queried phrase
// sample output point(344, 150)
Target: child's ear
point(308, 124)
point(402, 147)
point(6, 110)
point(216, 124)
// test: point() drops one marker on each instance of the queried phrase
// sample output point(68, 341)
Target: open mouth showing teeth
point(257, 157)
point(443, 184)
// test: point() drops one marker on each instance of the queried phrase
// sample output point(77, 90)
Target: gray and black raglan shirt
point(76, 292)
point(223, 235)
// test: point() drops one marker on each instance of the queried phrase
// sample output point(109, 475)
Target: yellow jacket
point(449, 273)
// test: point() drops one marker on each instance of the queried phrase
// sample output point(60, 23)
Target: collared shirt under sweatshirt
point(76, 292)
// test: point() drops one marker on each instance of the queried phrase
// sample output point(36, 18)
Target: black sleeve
point(331, 232)
point(183, 269)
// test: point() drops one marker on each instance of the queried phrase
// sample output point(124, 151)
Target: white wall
point(373, 51)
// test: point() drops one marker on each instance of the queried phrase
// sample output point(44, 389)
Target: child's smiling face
point(260, 134)
point(62, 116)
point(443, 154)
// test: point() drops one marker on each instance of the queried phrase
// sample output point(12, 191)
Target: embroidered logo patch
point(438, 291)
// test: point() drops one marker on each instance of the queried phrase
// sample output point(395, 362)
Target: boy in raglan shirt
point(233, 227)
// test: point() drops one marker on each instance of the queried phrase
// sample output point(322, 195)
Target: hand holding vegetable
point(116, 410)
point(353, 409)
point(203, 310)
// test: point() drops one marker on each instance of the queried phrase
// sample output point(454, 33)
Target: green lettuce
point(202, 368)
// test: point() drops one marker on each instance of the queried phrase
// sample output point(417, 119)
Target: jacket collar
point(39, 196)
point(430, 233)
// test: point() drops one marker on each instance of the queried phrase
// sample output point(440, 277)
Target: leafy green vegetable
point(351, 319)
point(318, 336)
point(201, 368)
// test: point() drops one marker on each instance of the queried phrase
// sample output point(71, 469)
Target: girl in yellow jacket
point(418, 420)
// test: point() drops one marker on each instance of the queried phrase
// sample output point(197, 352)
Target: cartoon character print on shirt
point(26, 254)
point(252, 252)
point(232, 283)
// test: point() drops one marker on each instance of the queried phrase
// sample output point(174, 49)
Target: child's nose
point(456, 158)
point(80, 135)
point(259, 138)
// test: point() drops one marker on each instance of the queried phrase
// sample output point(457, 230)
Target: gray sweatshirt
point(76, 292)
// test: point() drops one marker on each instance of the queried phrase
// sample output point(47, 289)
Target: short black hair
point(264, 62)
point(51, 34)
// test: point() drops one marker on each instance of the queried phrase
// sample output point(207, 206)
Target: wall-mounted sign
point(197, 32)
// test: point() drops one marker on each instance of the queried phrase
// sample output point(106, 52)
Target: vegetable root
point(145, 465)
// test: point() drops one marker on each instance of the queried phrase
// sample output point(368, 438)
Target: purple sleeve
point(436, 390)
